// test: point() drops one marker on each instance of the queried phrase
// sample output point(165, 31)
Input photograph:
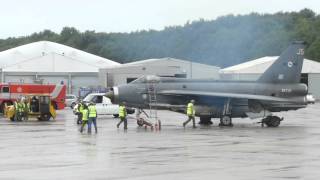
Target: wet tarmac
point(56, 150)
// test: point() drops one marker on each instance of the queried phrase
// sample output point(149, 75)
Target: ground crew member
point(123, 115)
point(85, 116)
point(79, 111)
point(191, 114)
point(26, 109)
point(92, 117)
point(15, 105)
point(34, 104)
point(19, 109)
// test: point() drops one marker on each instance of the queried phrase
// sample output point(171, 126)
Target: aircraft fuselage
point(137, 94)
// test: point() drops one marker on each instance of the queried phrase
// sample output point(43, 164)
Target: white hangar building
point(48, 62)
point(164, 67)
point(252, 70)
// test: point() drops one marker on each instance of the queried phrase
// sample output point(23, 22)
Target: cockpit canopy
point(147, 79)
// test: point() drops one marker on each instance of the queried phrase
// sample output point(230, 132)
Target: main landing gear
point(271, 121)
point(225, 119)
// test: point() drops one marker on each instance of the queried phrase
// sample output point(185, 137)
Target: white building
point(48, 62)
point(252, 70)
point(165, 67)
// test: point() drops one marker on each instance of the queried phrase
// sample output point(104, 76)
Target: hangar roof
point(152, 61)
point(168, 62)
point(258, 66)
point(45, 56)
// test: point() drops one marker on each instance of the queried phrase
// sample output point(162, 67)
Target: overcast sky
point(23, 17)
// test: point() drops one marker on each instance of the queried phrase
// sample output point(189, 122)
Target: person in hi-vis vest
point(191, 114)
point(92, 117)
point(123, 115)
point(85, 117)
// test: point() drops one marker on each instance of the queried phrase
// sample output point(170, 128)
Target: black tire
point(140, 123)
point(225, 121)
point(45, 117)
point(116, 115)
point(273, 121)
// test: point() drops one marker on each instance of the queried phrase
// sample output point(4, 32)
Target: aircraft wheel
point(140, 122)
point(225, 121)
point(205, 120)
point(272, 121)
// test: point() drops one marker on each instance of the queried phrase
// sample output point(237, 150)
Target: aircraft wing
point(225, 95)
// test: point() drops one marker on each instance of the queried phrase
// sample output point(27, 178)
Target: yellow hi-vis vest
point(26, 107)
point(92, 111)
point(122, 111)
point(80, 108)
point(85, 113)
point(190, 110)
point(20, 107)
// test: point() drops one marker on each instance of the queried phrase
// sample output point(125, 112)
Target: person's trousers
point(124, 120)
point(189, 119)
point(79, 117)
point(83, 124)
point(26, 115)
point(94, 121)
point(18, 116)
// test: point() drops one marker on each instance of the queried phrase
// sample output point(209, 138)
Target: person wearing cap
point(191, 114)
point(123, 115)
point(85, 117)
point(92, 117)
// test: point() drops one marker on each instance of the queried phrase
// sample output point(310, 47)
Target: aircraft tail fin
point(287, 68)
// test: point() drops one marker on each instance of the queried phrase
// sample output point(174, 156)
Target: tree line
point(225, 41)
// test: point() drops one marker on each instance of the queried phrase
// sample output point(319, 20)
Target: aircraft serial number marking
point(285, 90)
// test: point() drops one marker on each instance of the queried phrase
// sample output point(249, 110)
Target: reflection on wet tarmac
point(53, 150)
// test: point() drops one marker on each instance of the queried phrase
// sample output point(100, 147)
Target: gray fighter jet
point(277, 89)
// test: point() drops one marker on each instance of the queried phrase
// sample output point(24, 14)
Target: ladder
point(153, 113)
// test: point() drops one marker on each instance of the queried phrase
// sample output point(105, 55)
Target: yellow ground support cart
point(41, 108)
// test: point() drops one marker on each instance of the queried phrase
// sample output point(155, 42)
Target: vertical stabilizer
point(287, 68)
